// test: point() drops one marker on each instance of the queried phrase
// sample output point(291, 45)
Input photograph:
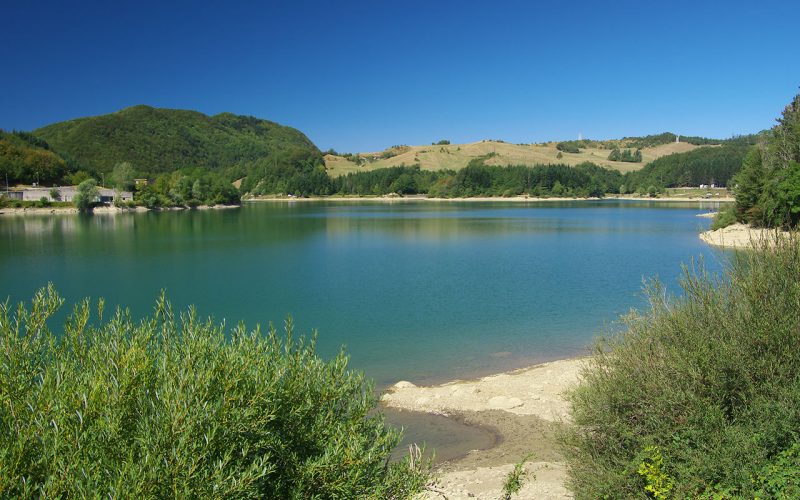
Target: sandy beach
point(511, 199)
point(741, 236)
point(525, 407)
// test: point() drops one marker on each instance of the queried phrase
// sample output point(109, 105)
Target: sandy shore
point(514, 199)
point(675, 199)
point(708, 215)
point(526, 408)
point(536, 390)
point(741, 236)
point(389, 198)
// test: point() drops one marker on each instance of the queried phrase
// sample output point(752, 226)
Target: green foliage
point(25, 159)
point(188, 187)
point(122, 176)
point(768, 187)
point(569, 146)
point(10, 203)
point(650, 141)
point(781, 477)
point(748, 185)
point(479, 179)
point(157, 140)
point(181, 407)
point(514, 480)
point(657, 483)
point(626, 155)
point(724, 218)
point(709, 377)
point(700, 166)
point(55, 194)
point(295, 171)
point(77, 177)
point(86, 194)
point(443, 142)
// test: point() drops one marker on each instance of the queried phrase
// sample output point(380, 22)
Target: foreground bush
point(701, 395)
point(180, 408)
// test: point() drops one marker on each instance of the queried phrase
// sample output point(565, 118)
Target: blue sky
point(361, 76)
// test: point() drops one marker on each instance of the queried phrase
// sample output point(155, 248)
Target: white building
point(66, 193)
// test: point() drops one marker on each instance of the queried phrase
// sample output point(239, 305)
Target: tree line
point(479, 179)
point(706, 165)
point(768, 186)
point(626, 155)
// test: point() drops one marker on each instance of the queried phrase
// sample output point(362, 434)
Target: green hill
point(25, 158)
point(155, 140)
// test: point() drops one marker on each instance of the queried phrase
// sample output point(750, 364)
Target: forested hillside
point(706, 165)
point(191, 157)
point(23, 157)
point(156, 140)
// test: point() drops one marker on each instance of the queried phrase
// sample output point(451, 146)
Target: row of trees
point(188, 187)
point(626, 155)
point(479, 179)
point(768, 186)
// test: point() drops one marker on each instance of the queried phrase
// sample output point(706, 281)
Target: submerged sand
point(526, 409)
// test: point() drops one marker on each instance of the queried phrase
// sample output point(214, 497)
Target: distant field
point(456, 156)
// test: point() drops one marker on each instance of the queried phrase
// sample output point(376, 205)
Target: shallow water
point(422, 291)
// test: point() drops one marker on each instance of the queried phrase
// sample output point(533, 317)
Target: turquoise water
point(422, 291)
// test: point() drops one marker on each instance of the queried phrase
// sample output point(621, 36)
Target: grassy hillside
point(157, 140)
point(456, 156)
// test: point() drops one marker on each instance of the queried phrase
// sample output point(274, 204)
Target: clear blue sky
point(360, 76)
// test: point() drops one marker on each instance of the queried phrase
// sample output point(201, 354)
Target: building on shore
point(66, 193)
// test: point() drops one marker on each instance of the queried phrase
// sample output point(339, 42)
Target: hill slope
point(24, 158)
point(157, 140)
point(456, 156)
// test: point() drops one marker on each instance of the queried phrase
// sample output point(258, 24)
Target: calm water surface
point(422, 291)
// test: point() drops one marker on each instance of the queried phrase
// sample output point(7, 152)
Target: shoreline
point(524, 408)
point(102, 210)
point(509, 199)
point(742, 236)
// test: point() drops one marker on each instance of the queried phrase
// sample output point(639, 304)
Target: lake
point(415, 290)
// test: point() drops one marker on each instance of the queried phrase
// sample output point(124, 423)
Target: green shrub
point(86, 194)
point(781, 477)
point(709, 378)
point(724, 218)
point(170, 407)
point(568, 147)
